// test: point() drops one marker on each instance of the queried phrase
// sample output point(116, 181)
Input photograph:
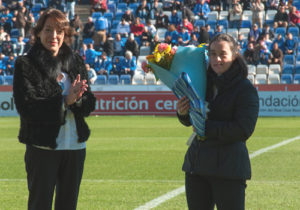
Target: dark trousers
point(204, 192)
point(48, 170)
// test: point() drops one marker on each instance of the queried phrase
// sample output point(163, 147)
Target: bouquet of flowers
point(183, 70)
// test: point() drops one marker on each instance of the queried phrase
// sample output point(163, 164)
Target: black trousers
point(203, 193)
point(53, 169)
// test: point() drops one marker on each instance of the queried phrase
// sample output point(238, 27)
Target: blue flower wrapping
point(193, 62)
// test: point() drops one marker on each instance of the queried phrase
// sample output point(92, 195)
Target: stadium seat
point(113, 79)
point(286, 79)
point(118, 15)
point(246, 24)
point(199, 23)
point(96, 15)
point(274, 79)
point(14, 33)
point(223, 15)
point(121, 58)
point(223, 23)
point(247, 15)
point(213, 15)
point(145, 50)
point(8, 80)
point(294, 31)
point(260, 79)
point(112, 7)
point(150, 79)
point(133, 6)
point(270, 23)
point(138, 79)
point(1, 80)
point(161, 33)
point(274, 69)
point(125, 79)
point(109, 16)
point(288, 69)
point(289, 59)
point(270, 14)
point(212, 23)
point(113, 32)
point(280, 30)
point(101, 80)
point(296, 79)
point(88, 41)
point(251, 78)
point(297, 68)
point(251, 69)
point(233, 32)
point(36, 8)
point(122, 6)
point(262, 69)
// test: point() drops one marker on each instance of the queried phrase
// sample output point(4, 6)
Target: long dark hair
point(62, 23)
point(239, 59)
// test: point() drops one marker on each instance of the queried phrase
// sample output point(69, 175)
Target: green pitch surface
point(132, 160)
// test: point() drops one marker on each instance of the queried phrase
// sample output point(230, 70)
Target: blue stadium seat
point(270, 23)
point(109, 16)
point(96, 15)
point(122, 6)
point(36, 7)
point(8, 80)
point(1, 80)
point(125, 79)
point(133, 7)
point(296, 79)
point(101, 80)
point(289, 59)
point(223, 23)
point(212, 23)
point(14, 33)
point(288, 69)
point(246, 24)
point(113, 32)
point(286, 79)
point(294, 31)
point(118, 15)
point(88, 41)
point(280, 30)
point(113, 79)
point(112, 7)
point(121, 58)
point(114, 24)
point(199, 23)
point(297, 69)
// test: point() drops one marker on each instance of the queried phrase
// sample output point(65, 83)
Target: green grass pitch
point(134, 159)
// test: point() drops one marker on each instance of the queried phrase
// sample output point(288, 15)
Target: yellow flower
point(157, 57)
point(168, 49)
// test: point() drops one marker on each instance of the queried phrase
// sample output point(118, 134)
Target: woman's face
point(51, 36)
point(221, 56)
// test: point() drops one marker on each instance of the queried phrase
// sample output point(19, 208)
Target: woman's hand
point(77, 88)
point(183, 106)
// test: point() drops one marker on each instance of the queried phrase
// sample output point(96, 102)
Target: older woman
point(52, 96)
point(218, 166)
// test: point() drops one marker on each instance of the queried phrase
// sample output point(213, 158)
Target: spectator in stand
point(128, 16)
point(99, 6)
point(92, 76)
point(219, 30)
point(70, 9)
point(281, 18)
point(2, 72)
point(151, 27)
point(21, 20)
point(10, 65)
point(20, 46)
point(268, 41)
point(201, 10)
point(116, 66)
point(171, 36)
point(30, 23)
point(268, 30)
point(6, 19)
point(215, 5)
point(252, 40)
point(161, 20)
point(154, 42)
point(155, 10)
point(137, 27)
point(194, 40)
point(174, 18)
point(129, 64)
point(108, 46)
point(184, 34)
point(2, 34)
point(187, 24)
point(2, 7)
point(276, 56)
point(294, 17)
point(250, 55)
point(90, 55)
point(82, 51)
point(273, 4)
point(264, 53)
point(123, 28)
point(132, 46)
point(101, 27)
point(195, 31)
point(235, 14)
point(119, 45)
point(290, 44)
point(89, 28)
point(143, 11)
point(146, 37)
point(104, 65)
point(203, 35)
point(257, 8)
point(8, 46)
point(255, 32)
point(188, 13)
point(280, 40)
point(77, 25)
point(242, 42)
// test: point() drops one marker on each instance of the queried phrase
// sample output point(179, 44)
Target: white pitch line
point(161, 199)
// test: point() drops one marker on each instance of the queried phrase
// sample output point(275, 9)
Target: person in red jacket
point(294, 17)
point(137, 28)
point(187, 24)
